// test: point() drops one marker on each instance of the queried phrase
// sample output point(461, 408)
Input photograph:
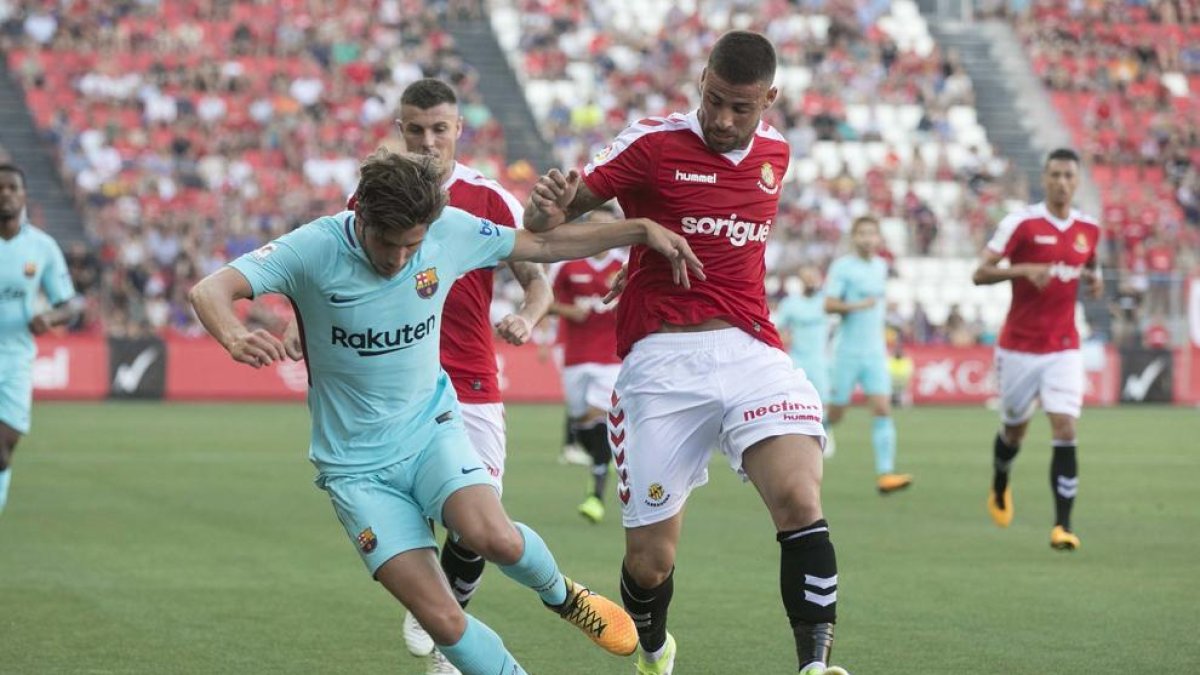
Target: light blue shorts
point(386, 512)
point(16, 397)
point(870, 371)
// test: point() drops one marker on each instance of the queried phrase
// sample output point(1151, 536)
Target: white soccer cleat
point(416, 639)
point(440, 665)
point(574, 455)
point(822, 669)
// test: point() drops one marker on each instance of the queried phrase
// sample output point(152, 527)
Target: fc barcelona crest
point(367, 541)
point(427, 282)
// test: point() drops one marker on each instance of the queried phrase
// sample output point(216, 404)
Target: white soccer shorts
point(588, 385)
point(1056, 379)
point(485, 427)
point(681, 395)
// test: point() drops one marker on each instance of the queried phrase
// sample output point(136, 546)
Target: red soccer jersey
point(724, 204)
point(586, 282)
point(467, 351)
point(1044, 321)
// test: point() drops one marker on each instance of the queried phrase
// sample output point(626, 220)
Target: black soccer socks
point(595, 440)
point(648, 607)
point(1064, 481)
point(808, 584)
point(463, 568)
point(1002, 458)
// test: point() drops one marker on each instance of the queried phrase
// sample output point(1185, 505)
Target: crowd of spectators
point(190, 133)
point(849, 61)
point(1125, 77)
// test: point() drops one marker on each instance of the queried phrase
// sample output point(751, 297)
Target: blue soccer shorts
point(386, 512)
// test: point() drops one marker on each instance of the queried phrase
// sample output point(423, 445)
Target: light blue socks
point(883, 438)
point(537, 569)
point(480, 650)
point(5, 479)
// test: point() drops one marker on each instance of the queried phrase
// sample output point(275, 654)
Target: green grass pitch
point(155, 538)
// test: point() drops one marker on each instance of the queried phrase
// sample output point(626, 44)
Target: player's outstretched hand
point(675, 248)
point(40, 324)
point(291, 341)
point(552, 195)
point(515, 329)
point(257, 348)
point(618, 284)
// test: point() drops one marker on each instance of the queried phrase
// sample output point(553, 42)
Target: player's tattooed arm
point(558, 199)
point(517, 328)
point(586, 239)
point(990, 271)
point(213, 299)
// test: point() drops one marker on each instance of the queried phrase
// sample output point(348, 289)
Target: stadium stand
point(1125, 76)
point(192, 132)
point(878, 117)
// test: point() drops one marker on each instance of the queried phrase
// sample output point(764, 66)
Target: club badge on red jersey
point(1081, 243)
point(766, 180)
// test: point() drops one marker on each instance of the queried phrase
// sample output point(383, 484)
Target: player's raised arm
point(557, 199)
point(581, 241)
point(213, 300)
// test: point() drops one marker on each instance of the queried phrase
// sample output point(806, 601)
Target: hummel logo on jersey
point(737, 231)
point(374, 343)
point(710, 178)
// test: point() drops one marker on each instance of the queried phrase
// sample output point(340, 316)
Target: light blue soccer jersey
point(376, 387)
point(804, 317)
point(29, 262)
point(852, 279)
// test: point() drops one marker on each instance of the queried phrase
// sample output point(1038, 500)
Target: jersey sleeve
point(503, 208)
point(1006, 237)
point(624, 165)
point(56, 282)
point(282, 266)
point(474, 242)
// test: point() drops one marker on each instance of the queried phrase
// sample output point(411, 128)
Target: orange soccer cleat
point(602, 620)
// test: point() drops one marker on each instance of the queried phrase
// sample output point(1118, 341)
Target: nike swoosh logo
point(466, 470)
point(1137, 386)
point(339, 300)
point(129, 375)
